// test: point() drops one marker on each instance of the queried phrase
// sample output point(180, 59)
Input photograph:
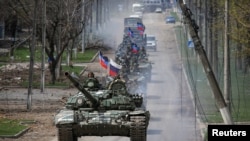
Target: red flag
point(140, 27)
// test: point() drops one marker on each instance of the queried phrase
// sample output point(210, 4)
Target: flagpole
point(108, 68)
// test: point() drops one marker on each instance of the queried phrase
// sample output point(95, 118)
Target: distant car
point(151, 43)
point(170, 19)
point(134, 16)
point(139, 13)
point(158, 10)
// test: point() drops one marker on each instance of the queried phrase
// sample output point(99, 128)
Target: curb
point(16, 135)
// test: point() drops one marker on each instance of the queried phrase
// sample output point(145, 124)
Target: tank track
point(138, 129)
point(65, 133)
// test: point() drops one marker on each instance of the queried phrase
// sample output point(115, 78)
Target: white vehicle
point(151, 42)
point(136, 7)
point(151, 5)
point(158, 10)
point(136, 15)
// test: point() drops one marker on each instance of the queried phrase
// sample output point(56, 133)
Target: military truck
point(108, 112)
point(132, 21)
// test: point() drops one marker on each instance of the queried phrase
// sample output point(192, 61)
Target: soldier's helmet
point(91, 75)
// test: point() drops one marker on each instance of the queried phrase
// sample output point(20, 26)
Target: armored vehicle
point(145, 67)
point(142, 65)
point(108, 112)
point(132, 21)
point(137, 83)
point(139, 37)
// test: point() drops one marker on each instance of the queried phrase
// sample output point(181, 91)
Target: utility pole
point(193, 29)
point(43, 45)
point(227, 80)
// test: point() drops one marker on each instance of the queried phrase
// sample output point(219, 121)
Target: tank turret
point(81, 88)
point(114, 97)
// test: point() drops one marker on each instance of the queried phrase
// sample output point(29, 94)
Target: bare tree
point(32, 56)
point(64, 25)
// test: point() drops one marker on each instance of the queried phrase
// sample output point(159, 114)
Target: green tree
point(240, 31)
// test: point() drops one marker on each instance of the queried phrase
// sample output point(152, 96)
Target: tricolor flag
point(140, 27)
point(114, 68)
point(135, 48)
point(141, 32)
point(130, 32)
point(103, 60)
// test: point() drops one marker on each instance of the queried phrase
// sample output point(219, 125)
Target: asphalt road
point(169, 99)
point(173, 116)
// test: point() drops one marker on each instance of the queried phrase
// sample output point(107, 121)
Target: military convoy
point(118, 108)
point(136, 65)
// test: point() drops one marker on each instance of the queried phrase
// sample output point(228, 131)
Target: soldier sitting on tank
point(135, 67)
point(92, 82)
point(143, 53)
point(124, 76)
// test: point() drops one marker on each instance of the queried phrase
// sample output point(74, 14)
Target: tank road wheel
point(65, 133)
point(138, 131)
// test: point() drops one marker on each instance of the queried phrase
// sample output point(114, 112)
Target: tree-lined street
point(182, 97)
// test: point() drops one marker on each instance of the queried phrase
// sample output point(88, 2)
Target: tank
point(108, 112)
point(142, 65)
point(136, 74)
point(136, 83)
point(145, 67)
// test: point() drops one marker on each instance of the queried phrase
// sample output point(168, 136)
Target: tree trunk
point(32, 52)
point(52, 68)
point(246, 64)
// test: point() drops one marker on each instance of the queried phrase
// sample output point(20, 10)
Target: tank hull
point(132, 124)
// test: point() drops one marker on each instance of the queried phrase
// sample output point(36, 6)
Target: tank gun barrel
point(80, 87)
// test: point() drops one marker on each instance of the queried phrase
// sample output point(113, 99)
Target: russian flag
point(114, 68)
point(130, 32)
point(103, 60)
point(141, 32)
point(140, 27)
point(135, 48)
